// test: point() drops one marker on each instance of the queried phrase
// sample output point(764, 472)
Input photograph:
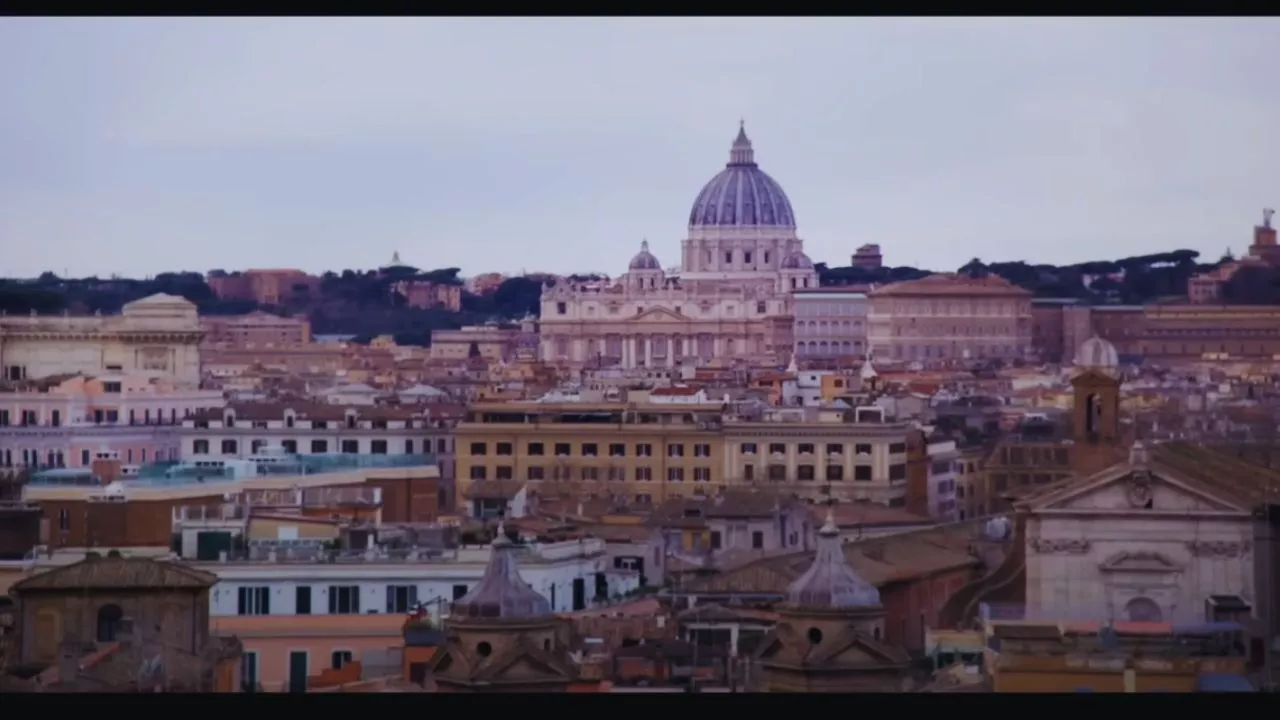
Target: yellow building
point(646, 452)
point(865, 460)
point(971, 483)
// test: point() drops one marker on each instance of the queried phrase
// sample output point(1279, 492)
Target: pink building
point(70, 421)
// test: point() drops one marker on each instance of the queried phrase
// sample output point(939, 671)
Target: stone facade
point(157, 336)
point(950, 317)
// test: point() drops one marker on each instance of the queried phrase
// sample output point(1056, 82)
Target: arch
point(109, 617)
point(1143, 609)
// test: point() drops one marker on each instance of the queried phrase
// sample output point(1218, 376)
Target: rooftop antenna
point(1266, 217)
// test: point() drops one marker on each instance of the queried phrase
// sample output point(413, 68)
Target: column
point(671, 350)
point(648, 351)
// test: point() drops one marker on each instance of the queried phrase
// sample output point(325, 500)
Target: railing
point(202, 513)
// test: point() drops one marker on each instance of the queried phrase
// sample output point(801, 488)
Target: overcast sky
point(134, 146)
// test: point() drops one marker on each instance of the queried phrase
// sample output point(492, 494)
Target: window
point(777, 473)
point(562, 449)
point(340, 658)
point(835, 449)
point(289, 446)
point(408, 446)
point(702, 474)
point(590, 473)
point(644, 474)
point(302, 600)
point(478, 472)
point(862, 449)
point(344, 599)
point(644, 450)
point(898, 471)
point(378, 447)
point(805, 449)
point(777, 448)
point(590, 450)
point(459, 591)
point(535, 472)
point(229, 447)
point(253, 601)
point(617, 450)
point(862, 473)
point(757, 540)
point(897, 448)
point(402, 598)
point(715, 540)
point(701, 450)
point(835, 473)
point(804, 472)
point(109, 617)
point(504, 472)
point(319, 446)
point(761, 307)
point(505, 448)
point(479, 449)
point(350, 447)
point(675, 450)
point(111, 387)
point(561, 308)
point(536, 449)
point(748, 448)
point(64, 520)
point(675, 474)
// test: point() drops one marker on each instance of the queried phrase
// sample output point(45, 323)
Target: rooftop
point(171, 474)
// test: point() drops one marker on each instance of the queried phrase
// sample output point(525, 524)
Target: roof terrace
point(167, 474)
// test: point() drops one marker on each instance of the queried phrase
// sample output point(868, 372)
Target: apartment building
point(297, 616)
point(648, 452)
point(71, 421)
point(256, 329)
point(849, 456)
point(830, 323)
point(145, 509)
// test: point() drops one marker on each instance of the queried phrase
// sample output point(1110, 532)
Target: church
point(729, 297)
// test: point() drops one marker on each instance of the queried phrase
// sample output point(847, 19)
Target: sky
point(134, 146)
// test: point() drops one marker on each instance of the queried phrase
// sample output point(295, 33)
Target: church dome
point(742, 195)
point(830, 583)
point(797, 261)
point(502, 594)
point(1097, 353)
point(644, 260)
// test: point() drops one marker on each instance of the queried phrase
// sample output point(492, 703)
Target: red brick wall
point(912, 606)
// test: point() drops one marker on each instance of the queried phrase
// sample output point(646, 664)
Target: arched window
point(1141, 609)
point(109, 617)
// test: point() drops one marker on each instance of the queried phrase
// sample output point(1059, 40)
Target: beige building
point(256, 329)
point(155, 337)
point(950, 317)
point(646, 452)
point(492, 342)
point(653, 451)
point(731, 296)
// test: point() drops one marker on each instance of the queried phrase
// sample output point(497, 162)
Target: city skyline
point(144, 145)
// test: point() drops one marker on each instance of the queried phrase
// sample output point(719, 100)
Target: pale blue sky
point(136, 145)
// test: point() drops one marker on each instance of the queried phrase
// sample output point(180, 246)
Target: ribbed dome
point(742, 195)
point(830, 583)
point(797, 261)
point(502, 593)
point(644, 260)
point(1097, 353)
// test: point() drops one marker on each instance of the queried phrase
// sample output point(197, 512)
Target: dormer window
point(351, 419)
point(289, 418)
point(693, 513)
point(229, 419)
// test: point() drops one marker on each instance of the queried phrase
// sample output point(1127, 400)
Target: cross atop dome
point(741, 153)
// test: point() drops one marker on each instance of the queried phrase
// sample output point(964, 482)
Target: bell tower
point(1095, 407)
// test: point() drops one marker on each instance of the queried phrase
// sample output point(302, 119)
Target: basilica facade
point(730, 298)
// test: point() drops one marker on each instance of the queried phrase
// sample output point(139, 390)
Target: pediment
point(659, 315)
point(1139, 561)
point(524, 667)
point(1124, 488)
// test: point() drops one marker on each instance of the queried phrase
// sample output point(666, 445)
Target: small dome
point(797, 261)
point(502, 593)
point(644, 260)
point(830, 583)
point(1097, 353)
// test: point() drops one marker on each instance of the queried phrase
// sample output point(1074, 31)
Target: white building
point(943, 458)
point(157, 336)
point(730, 298)
point(568, 574)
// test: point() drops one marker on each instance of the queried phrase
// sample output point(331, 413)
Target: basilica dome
point(742, 195)
point(644, 260)
point(797, 261)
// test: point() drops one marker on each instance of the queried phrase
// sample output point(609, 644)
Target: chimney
point(124, 631)
point(107, 471)
point(69, 661)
